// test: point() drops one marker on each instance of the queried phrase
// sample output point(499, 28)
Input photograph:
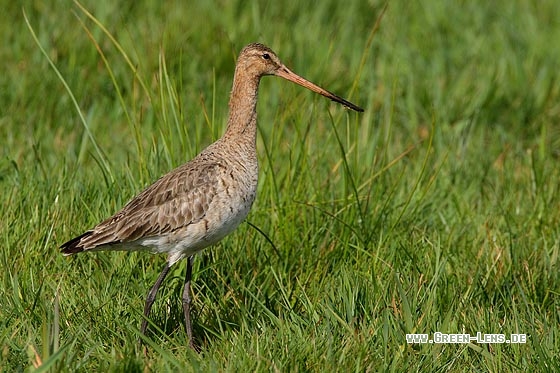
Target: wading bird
point(202, 201)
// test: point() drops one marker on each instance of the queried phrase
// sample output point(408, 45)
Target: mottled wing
point(178, 199)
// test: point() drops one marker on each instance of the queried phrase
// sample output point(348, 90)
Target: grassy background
point(435, 210)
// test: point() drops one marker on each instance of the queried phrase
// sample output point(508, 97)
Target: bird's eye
point(266, 56)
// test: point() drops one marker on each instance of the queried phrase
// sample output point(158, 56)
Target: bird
point(199, 203)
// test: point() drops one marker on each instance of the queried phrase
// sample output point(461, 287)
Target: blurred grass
point(435, 210)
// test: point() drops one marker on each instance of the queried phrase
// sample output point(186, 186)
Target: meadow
point(435, 210)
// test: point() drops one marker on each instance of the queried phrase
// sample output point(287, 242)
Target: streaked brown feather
point(189, 189)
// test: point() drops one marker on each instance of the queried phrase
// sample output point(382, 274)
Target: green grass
point(437, 209)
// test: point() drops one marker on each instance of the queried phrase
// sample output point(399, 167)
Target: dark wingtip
point(74, 245)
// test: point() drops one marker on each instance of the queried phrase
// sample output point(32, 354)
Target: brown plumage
point(200, 202)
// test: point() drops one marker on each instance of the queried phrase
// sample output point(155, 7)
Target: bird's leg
point(150, 299)
point(187, 302)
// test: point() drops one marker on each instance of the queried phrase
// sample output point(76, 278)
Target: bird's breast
point(234, 197)
point(228, 200)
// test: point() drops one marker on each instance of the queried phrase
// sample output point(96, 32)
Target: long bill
point(287, 74)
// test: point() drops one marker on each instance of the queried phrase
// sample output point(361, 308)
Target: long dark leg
point(187, 302)
point(150, 299)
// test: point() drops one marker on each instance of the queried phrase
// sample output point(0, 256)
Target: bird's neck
point(242, 121)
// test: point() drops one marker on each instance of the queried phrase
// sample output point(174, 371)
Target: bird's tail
point(74, 245)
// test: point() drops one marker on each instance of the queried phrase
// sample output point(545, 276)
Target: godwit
point(200, 202)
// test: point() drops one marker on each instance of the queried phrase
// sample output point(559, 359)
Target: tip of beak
point(355, 108)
